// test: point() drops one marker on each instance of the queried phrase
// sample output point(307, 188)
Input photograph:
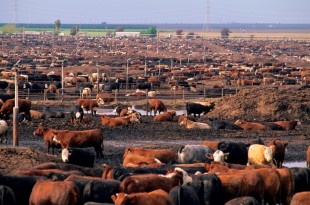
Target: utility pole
point(97, 77)
point(15, 109)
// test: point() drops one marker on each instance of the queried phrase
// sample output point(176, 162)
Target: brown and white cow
point(158, 197)
point(88, 104)
point(135, 160)
point(80, 138)
point(47, 135)
point(149, 182)
point(156, 105)
point(251, 125)
point(163, 155)
point(120, 121)
point(50, 192)
point(104, 98)
point(194, 125)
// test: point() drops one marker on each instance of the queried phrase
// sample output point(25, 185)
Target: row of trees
point(151, 30)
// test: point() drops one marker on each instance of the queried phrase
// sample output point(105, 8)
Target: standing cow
point(197, 109)
point(156, 105)
point(24, 105)
point(76, 113)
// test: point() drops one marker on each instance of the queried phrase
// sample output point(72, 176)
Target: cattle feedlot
point(251, 98)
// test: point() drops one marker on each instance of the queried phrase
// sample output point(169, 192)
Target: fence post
point(222, 92)
point(116, 92)
point(28, 92)
point(147, 103)
point(204, 93)
point(174, 96)
point(183, 92)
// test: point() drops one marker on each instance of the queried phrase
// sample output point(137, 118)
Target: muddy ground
point(259, 104)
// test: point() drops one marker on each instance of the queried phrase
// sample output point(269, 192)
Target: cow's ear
point(54, 132)
point(113, 197)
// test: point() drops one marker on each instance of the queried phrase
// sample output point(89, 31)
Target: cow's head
point(186, 178)
point(120, 198)
point(65, 155)
point(218, 156)
point(39, 131)
point(269, 153)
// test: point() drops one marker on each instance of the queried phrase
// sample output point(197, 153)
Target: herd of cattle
point(214, 172)
point(211, 173)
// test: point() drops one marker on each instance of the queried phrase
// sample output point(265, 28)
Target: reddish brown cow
point(288, 125)
point(166, 116)
point(104, 98)
point(88, 104)
point(233, 186)
point(24, 105)
point(279, 153)
point(271, 179)
point(301, 198)
point(47, 135)
point(164, 155)
point(211, 144)
point(120, 121)
point(135, 160)
point(251, 125)
point(158, 197)
point(308, 157)
point(50, 192)
point(36, 114)
point(287, 185)
point(80, 138)
point(149, 182)
point(156, 105)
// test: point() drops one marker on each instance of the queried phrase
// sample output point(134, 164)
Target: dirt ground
point(260, 104)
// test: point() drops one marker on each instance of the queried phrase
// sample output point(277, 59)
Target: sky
point(155, 11)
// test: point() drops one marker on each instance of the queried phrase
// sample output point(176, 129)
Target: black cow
point(48, 113)
point(21, 186)
point(7, 195)
point(197, 109)
point(144, 86)
point(182, 195)
point(238, 152)
point(95, 190)
point(77, 113)
point(78, 156)
point(301, 179)
point(220, 124)
point(3, 84)
point(5, 96)
point(245, 200)
point(207, 187)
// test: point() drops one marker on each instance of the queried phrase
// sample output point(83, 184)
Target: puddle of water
point(295, 164)
point(101, 111)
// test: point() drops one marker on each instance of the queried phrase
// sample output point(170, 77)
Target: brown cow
point(120, 121)
point(104, 98)
point(36, 114)
point(166, 116)
point(135, 160)
point(164, 155)
point(47, 135)
point(301, 198)
point(149, 182)
point(211, 144)
point(88, 104)
point(280, 147)
point(54, 174)
point(80, 138)
point(50, 192)
point(24, 105)
point(251, 125)
point(287, 185)
point(288, 125)
point(156, 197)
point(308, 157)
point(156, 105)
